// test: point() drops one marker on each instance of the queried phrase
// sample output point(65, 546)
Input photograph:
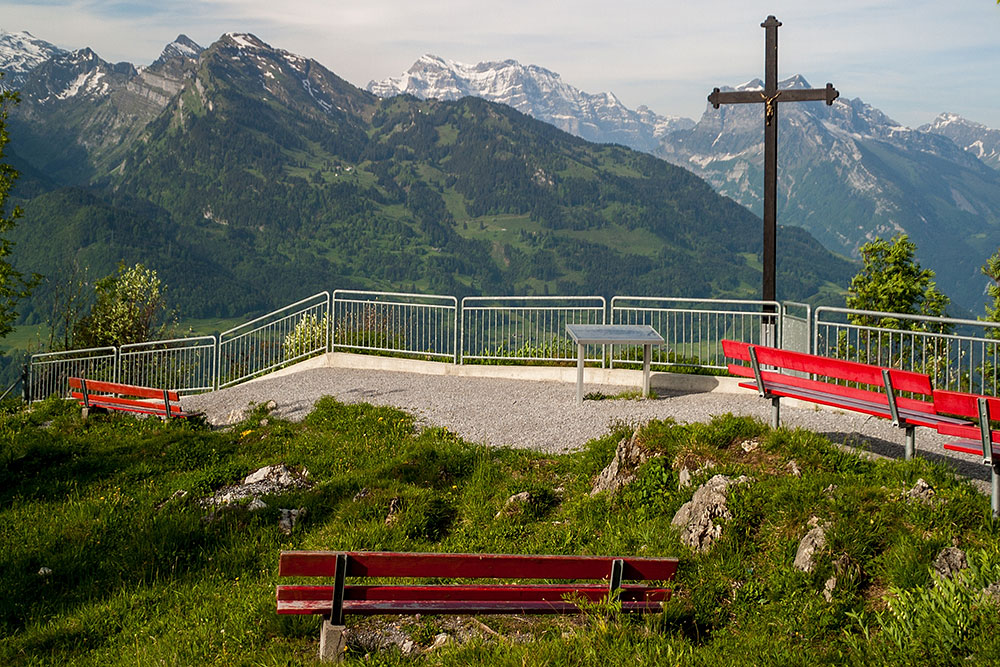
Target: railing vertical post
point(218, 362)
point(604, 348)
point(329, 324)
point(458, 324)
point(461, 332)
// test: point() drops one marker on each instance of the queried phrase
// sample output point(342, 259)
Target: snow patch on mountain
point(974, 138)
point(21, 52)
point(183, 48)
point(537, 92)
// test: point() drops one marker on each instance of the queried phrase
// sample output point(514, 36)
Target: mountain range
point(249, 176)
point(847, 173)
point(539, 93)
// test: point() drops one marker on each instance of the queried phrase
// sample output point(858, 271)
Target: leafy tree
point(891, 281)
point(13, 286)
point(69, 297)
point(130, 308)
point(991, 269)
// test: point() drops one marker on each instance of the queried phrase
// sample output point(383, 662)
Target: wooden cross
point(771, 97)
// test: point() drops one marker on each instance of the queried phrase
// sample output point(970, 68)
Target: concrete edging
point(617, 377)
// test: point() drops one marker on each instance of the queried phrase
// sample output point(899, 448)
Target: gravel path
point(543, 415)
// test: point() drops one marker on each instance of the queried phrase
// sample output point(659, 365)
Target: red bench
point(338, 599)
point(97, 394)
point(881, 398)
point(978, 438)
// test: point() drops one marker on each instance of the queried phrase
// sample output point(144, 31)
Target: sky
point(912, 59)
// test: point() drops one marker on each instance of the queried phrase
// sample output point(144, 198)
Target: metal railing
point(50, 370)
point(527, 328)
point(185, 365)
point(958, 354)
point(293, 333)
point(398, 323)
point(692, 329)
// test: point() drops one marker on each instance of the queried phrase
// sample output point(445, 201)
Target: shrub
point(309, 335)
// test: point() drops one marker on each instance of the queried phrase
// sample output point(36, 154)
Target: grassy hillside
point(137, 574)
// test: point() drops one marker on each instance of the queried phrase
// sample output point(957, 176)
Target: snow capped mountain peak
point(945, 119)
point(752, 84)
point(244, 41)
point(182, 47)
point(975, 138)
point(21, 52)
point(794, 81)
point(534, 91)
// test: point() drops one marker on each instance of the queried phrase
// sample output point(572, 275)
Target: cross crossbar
point(771, 97)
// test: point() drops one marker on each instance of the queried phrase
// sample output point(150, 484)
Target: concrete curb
point(616, 377)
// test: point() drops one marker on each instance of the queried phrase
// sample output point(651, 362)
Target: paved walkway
point(542, 415)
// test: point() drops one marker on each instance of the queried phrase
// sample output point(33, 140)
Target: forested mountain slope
point(264, 177)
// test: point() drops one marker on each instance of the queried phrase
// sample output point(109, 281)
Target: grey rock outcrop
point(697, 517)
point(629, 455)
point(685, 474)
point(813, 542)
point(266, 481)
point(514, 503)
point(922, 492)
point(843, 569)
point(949, 562)
point(288, 519)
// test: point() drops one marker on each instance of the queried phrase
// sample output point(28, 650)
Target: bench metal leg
point(995, 490)
point(332, 642)
point(579, 374)
point(911, 442)
point(647, 353)
point(775, 412)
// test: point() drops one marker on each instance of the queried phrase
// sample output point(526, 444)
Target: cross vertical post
point(771, 96)
point(770, 250)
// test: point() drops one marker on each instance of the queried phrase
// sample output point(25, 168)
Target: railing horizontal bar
point(288, 307)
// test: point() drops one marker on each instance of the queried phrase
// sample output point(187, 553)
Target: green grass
point(139, 576)
point(627, 395)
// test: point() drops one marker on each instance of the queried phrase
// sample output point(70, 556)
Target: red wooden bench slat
point(852, 371)
point(318, 599)
point(102, 387)
point(969, 432)
point(533, 593)
point(967, 405)
point(875, 409)
point(970, 447)
point(770, 377)
point(914, 412)
point(471, 566)
point(869, 402)
point(961, 403)
point(375, 608)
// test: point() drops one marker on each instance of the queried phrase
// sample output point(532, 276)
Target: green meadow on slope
point(137, 574)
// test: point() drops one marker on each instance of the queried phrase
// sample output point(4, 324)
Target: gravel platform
point(543, 415)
